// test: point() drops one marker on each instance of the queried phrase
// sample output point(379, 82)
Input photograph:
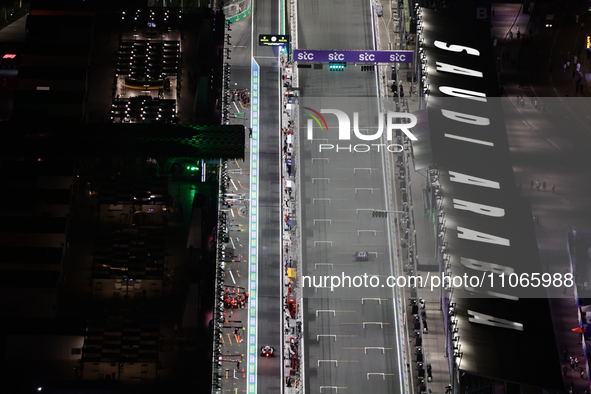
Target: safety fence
point(236, 10)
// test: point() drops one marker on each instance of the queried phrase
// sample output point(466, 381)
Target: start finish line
point(317, 55)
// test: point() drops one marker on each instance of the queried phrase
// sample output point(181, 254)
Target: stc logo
point(305, 56)
point(397, 57)
point(345, 124)
point(367, 57)
point(336, 56)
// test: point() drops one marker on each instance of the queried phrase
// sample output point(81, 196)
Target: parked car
point(379, 9)
point(549, 21)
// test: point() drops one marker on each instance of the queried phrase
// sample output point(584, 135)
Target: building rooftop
point(15, 256)
point(28, 224)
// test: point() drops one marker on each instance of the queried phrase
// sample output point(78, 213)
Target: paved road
point(332, 178)
point(15, 32)
point(265, 21)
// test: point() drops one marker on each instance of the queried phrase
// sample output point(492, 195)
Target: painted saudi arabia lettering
point(457, 177)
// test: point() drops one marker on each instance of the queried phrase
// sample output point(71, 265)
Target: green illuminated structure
point(117, 140)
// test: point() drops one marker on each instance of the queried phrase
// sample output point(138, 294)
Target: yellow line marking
point(359, 299)
point(354, 231)
point(354, 254)
point(238, 273)
point(349, 169)
point(535, 94)
point(230, 339)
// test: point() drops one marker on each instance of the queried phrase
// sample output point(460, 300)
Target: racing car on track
point(361, 256)
point(267, 351)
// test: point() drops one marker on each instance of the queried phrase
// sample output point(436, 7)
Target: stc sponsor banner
point(317, 55)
